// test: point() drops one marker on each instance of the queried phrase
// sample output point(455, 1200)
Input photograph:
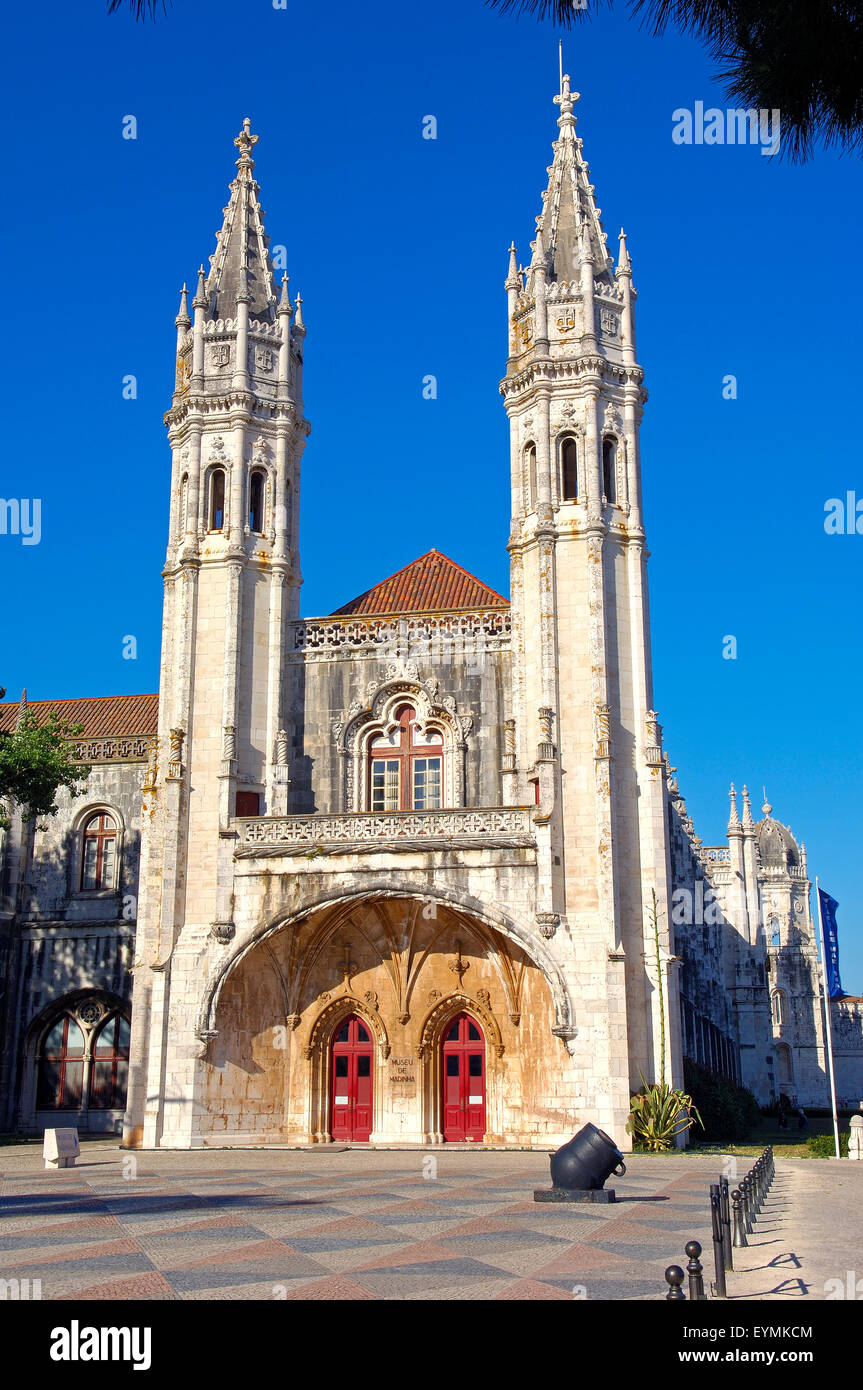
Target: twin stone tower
point(431, 821)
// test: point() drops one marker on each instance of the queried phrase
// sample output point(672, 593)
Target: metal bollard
point(737, 1213)
point(719, 1287)
point(756, 1189)
point(695, 1270)
point(674, 1278)
point(747, 1208)
point(725, 1199)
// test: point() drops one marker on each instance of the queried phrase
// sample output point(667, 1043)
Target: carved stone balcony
point(495, 827)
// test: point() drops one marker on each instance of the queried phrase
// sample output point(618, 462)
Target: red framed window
point(61, 1067)
point(98, 862)
point(405, 773)
point(109, 1069)
point(248, 803)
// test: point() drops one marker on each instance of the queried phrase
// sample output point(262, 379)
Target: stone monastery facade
point(388, 875)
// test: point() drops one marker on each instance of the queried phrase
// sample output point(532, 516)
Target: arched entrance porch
point(405, 967)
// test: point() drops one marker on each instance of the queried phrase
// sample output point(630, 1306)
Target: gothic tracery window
point(83, 1061)
point(406, 767)
point(777, 1000)
point(99, 858)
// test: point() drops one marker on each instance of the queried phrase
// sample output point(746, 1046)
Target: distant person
point(802, 1122)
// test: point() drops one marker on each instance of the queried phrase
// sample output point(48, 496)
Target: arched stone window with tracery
point(404, 751)
point(406, 766)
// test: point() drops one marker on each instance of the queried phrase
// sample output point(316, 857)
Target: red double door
point(352, 1082)
point(463, 1082)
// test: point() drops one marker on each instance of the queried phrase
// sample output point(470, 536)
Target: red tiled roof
point(427, 585)
point(101, 715)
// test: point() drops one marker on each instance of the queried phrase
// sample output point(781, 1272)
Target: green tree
point(35, 762)
point(800, 57)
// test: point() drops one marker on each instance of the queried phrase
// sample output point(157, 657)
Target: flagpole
point(827, 1020)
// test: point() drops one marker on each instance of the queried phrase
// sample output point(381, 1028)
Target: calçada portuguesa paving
point(334, 1223)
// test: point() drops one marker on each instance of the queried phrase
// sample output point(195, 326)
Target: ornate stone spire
point(240, 268)
point(182, 320)
point(22, 709)
point(748, 822)
point(733, 819)
point(569, 211)
point(766, 807)
point(624, 264)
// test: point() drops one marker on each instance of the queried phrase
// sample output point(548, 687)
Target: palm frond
point(141, 9)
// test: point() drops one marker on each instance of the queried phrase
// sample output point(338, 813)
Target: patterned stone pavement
point(349, 1224)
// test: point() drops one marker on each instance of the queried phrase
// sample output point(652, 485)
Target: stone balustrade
point(504, 826)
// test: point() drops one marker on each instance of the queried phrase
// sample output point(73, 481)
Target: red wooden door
point(464, 1082)
point(352, 1081)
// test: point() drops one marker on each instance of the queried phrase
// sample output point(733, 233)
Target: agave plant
point(658, 1114)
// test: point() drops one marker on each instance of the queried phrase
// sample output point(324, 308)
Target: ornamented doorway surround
point(352, 1082)
point(464, 1088)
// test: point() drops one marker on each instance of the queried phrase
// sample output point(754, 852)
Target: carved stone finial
point(245, 143)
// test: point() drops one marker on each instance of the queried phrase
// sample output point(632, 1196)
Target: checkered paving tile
point(325, 1225)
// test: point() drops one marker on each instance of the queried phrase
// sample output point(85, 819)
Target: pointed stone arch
point(392, 887)
point(318, 1055)
point(445, 1009)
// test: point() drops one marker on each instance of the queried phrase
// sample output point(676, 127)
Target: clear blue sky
point(744, 265)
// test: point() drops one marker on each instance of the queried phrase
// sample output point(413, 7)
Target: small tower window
point(217, 499)
point(100, 848)
point(256, 502)
point(530, 460)
point(778, 1002)
point(184, 505)
point(569, 469)
point(609, 470)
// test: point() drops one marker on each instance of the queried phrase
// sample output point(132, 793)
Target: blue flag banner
point(831, 945)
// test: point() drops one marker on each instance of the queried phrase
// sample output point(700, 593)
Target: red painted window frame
point(62, 1058)
point(100, 835)
point(115, 1054)
point(406, 753)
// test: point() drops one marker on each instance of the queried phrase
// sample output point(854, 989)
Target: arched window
point(61, 1066)
point(569, 469)
point(110, 1065)
point(99, 858)
point(184, 505)
point(609, 470)
point(530, 467)
point(257, 484)
point(406, 767)
point(777, 1002)
point(773, 928)
point(217, 500)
